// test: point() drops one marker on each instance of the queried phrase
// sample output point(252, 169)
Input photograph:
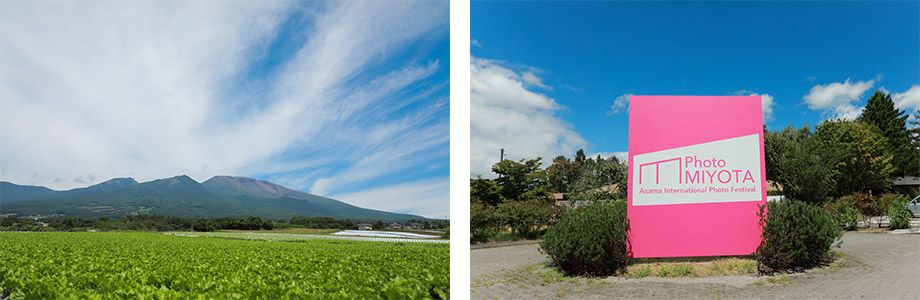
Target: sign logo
point(719, 171)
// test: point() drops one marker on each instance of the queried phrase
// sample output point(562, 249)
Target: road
point(877, 266)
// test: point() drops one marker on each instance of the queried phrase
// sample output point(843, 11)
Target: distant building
point(395, 226)
point(908, 185)
point(365, 226)
point(41, 224)
point(413, 226)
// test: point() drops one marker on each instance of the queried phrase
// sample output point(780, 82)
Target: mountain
point(12, 193)
point(220, 196)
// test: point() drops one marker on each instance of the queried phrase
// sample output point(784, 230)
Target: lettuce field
point(151, 265)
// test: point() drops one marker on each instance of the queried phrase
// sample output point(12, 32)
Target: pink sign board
point(696, 175)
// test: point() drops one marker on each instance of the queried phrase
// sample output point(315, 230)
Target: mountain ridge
point(182, 196)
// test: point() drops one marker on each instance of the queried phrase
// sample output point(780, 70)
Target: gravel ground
point(875, 266)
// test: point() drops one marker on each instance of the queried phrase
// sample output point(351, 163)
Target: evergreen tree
point(892, 124)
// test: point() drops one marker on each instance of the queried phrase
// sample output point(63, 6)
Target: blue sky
point(814, 60)
point(342, 99)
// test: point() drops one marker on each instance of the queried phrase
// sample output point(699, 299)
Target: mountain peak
point(108, 185)
point(119, 182)
point(181, 179)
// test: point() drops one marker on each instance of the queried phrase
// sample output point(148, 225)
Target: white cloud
point(92, 91)
point(504, 113)
point(838, 97)
point(428, 196)
point(908, 100)
point(766, 103)
point(620, 105)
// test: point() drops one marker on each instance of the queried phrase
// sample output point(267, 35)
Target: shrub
point(898, 215)
point(591, 240)
point(844, 211)
point(795, 236)
point(869, 206)
point(483, 222)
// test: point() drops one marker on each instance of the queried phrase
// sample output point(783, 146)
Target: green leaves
point(149, 265)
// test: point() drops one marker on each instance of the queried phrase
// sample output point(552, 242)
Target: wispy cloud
point(97, 90)
point(620, 105)
point(506, 114)
point(475, 43)
point(427, 194)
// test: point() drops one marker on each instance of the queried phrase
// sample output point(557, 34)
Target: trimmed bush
point(796, 236)
point(591, 240)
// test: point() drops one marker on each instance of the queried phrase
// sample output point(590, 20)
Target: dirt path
point(877, 266)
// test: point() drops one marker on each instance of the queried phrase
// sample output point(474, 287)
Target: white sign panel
point(719, 171)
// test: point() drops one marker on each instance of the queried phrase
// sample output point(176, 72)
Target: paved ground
point(876, 266)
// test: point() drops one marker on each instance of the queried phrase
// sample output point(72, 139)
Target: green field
point(152, 265)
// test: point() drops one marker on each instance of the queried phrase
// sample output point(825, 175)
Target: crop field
point(151, 265)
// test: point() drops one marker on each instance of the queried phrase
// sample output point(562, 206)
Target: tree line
point(521, 196)
point(845, 157)
point(170, 223)
point(850, 159)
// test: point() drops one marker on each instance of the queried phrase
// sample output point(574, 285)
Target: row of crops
point(144, 265)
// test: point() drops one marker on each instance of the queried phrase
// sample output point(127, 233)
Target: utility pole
point(501, 158)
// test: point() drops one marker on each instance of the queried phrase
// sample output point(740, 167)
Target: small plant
point(591, 240)
point(845, 211)
point(639, 272)
point(795, 236)
point(898, 215)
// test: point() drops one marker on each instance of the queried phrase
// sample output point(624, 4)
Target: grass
point(548, 275)
point(718, 267)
